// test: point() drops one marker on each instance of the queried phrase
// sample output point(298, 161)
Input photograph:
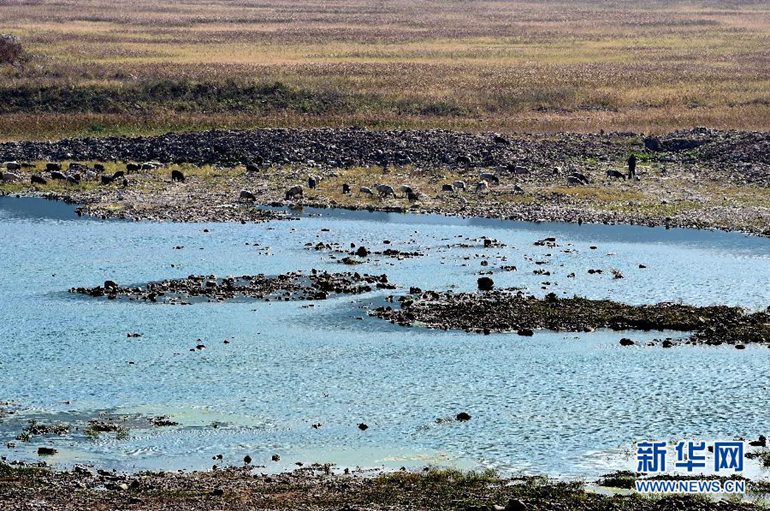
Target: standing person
point(632, 166)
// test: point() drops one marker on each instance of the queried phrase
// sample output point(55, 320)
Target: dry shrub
point(11, 51)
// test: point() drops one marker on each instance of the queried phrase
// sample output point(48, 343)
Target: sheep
point(385, 190)
point(482, 186)
point(247, 195)
point(489, 178)
point(459, 185)
point(580, 177)
point(295, 191)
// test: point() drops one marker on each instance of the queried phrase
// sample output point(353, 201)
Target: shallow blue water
point(557, 403)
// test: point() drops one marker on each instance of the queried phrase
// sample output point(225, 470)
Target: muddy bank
point(28, 487)
point(292, 286)
point(514, 311)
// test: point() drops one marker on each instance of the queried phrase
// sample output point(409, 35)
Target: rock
point(362, 252)
point(485, 284)
point(247, 459)
point(276, 457)
point(667, 344)
point(363, 426)
point(625, 341)
point(46, 451)
point(463, 417)
point(110, 285)
point(525, 332)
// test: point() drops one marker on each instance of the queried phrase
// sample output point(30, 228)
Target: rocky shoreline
point(24, 487)
point(432, 148)
point(513, 311)
point(694, 178)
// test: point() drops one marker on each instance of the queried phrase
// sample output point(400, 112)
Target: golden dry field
point(100, 67)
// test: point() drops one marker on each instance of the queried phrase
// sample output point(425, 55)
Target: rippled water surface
point(556, 403)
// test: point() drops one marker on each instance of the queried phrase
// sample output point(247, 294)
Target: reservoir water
point(561, 404)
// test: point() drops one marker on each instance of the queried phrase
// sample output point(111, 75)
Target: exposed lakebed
point(555, 403)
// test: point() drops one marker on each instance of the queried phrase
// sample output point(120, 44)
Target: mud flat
point(694, 178)
point(514, 311)
point(32, 487)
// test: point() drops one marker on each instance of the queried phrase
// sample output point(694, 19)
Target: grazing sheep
point(133, 167)
point(459, 185)
point(412, 196)
point(489, 178)
point(247, 195)
point(517, 169)
point(38, 180)
point(105, 180)
point(447, 188)
point(295, 191)
point(464, 160)
point(252, 167)
point(518, 189)
point(99, 167)
point(366, 190)
point(574, 180)
point(177, 175)
point(53, 167)
point(73, 180)
point(405, 189)
point(312, 182)
point(12, 165)
point(345, 189)
point(10, 176)
point(580, 177)
point(615, 174)
point(58, 175)
point(118, 174)
point(385, 190)
point(482, 186)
